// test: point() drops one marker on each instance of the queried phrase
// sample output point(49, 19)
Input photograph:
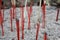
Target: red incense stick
point(43, 10)
point(57, 14)
point(28, 18)
point(12, 15)
point(45, 36)
point(29, 10)
point(22, 21)
point(37, 31)
point(18, 29)
point(1, 22)
point(1, 18)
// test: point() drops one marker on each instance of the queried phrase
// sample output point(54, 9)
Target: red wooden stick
point(18, 29)
point(45, 36)
point(37, 31)
point(43, 10)
point(57, 14)
point(22, 21)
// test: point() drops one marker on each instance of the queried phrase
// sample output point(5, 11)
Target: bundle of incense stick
point(57, 14)
point(18, 29)
point(1, 18)
point(12, 13)
point(37, 31)
point(22, 21)
point(43, 11)
point(45, 36)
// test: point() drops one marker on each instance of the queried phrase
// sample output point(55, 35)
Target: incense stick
point(1, 22)
point(22, 20)
point(12, 13)
point(37, 31)
point(57, 14)
point(1, 18)
point(29, 14)
point(11, 19)
point(45, 36)
point(43, 10)
point(18, 29)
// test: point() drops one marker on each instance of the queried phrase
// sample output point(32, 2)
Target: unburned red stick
point(18, 29)
point(22, 22)
point(57, 14)
point(45, 36)
point(37, 31)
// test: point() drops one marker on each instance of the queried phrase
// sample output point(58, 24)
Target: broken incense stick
point(57, 14)
point(18, 29)
point(37, 31)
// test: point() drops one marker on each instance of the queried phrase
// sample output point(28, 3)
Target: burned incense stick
point(57, 14)
point(18, 29)
point(43, 10)
point(37, 31)
point(45, 36)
